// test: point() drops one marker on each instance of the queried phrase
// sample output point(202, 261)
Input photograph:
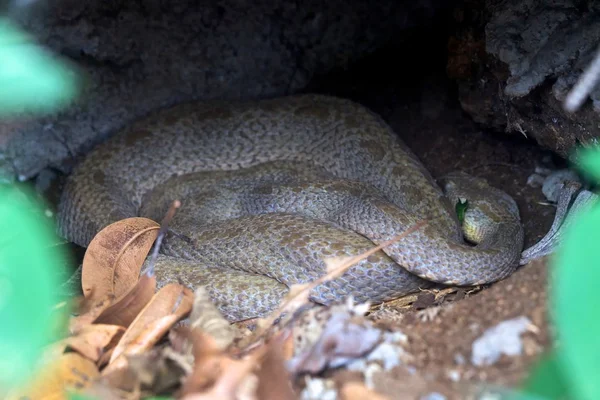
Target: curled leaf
point(91, 341)
point(216, 375)
point(273, 377)
point(114, 258)
point(70, 372)
point(152, 333)
point(172, 299)
point(124, 311)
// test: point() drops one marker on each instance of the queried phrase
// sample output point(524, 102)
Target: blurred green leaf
point(589, 163)
point(547, 380)
point(576, 298)
point(79, 396)
point(29, 271)
point(31, 78)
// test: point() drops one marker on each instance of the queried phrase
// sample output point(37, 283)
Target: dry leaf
point(230, 382)
point(105, 358)
point(172, 299)
point(100, 389)
point(206, 317)
point(90, 311)
point(273, 378)
point(120, 312)
point(358, 391)
point(216, 375)
point(123, 380)
point(288, 347)
point(124, 311)
point(152, 333)
point(70, 371)
point(114, 257)
point(91, 341)
point(159, 370)
point(208, 357)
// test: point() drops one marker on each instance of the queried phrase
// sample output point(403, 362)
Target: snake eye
point(461, 208)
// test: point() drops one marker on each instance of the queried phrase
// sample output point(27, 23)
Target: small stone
point(433, 396)
point(454, 375)
point(503, 338)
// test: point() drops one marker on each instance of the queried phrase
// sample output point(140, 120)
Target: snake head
point(488, 207)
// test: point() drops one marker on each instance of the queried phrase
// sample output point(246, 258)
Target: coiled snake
point(270, 188)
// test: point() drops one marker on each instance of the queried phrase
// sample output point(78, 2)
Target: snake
point(274, 190)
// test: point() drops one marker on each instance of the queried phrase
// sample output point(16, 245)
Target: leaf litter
point(129, 341)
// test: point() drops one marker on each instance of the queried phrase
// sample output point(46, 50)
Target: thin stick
point(161, 234)
point(584, 86)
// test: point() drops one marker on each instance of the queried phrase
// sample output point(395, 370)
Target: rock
point(504, 338)
point(515, 61)
point(138, 56)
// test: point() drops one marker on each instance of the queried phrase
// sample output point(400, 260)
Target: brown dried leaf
point(113, 259)
point(288, 347)
point(123, 380)
point(105, 358)
point(208, 357)
point(152, 333)
point(233, 374)
point(70, 371)
point(93, 339)
point(206, 317)
point(173, 301)
point(216, 375)
point(124, 311)
point(273, 378)
point(90, 311)
point(160, 369)
point(100, 389)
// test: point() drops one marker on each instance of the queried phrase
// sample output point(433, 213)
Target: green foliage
point(29, 266)
point(31, 78)
point(547, 380)
point(572, 371)
point(576, 298)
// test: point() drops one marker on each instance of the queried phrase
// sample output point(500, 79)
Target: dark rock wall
point(137, 56)
point(516, 60)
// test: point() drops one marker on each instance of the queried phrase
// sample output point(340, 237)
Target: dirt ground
point(425, 112)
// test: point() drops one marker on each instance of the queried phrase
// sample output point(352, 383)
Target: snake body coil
point(272, 188)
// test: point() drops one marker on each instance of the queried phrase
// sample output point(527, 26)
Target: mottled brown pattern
point(271, 188)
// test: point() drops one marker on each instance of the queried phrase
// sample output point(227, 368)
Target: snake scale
point(271, 188)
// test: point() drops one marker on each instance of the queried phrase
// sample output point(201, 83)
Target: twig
point(161, 234)
point(584, 86)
